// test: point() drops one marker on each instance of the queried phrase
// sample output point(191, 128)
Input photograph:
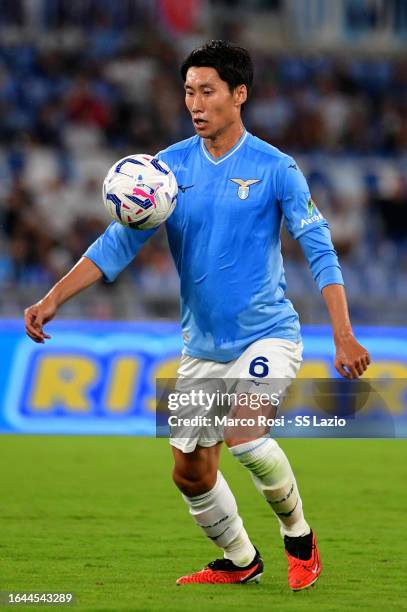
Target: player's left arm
point(351, 358)
point(307, 225)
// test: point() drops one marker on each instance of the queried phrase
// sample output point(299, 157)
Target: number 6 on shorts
point(258, 367)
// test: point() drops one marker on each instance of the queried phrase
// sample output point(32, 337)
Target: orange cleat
point(303, 573)
point(224, 571)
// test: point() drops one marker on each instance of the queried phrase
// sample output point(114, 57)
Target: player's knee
point(193, 483)
point(230, 441)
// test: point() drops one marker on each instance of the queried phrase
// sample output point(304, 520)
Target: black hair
point(232, 63)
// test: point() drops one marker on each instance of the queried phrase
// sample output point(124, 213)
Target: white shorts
point(262, 362)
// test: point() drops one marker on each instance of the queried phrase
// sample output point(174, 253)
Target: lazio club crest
point(244, 187)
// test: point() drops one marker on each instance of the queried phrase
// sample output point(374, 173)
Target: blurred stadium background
point(84, 82)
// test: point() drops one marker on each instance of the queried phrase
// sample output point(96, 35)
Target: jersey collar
point(219, 160)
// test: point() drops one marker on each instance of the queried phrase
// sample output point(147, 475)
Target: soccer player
point(234, 193)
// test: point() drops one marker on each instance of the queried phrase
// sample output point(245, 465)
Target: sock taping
point(274, 478)
point(216, 513)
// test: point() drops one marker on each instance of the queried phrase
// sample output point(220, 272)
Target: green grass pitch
point(99, 516)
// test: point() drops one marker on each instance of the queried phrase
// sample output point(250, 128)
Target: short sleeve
point(299, 209)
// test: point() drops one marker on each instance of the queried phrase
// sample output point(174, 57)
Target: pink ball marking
point(138, 191)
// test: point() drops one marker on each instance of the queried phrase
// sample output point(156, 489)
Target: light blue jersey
point(224, 236)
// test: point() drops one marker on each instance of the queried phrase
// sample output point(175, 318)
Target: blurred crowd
point(98, 80)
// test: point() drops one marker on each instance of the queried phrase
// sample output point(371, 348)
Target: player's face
point(213, 107)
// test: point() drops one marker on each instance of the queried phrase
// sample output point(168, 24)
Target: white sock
point(216, 513)
point(274, 478)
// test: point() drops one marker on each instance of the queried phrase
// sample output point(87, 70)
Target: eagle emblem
point(244, 186)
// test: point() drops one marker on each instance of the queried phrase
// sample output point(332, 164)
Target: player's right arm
point(106, 257)
point(81, 276)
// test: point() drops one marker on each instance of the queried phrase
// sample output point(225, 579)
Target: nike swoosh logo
point(314, 571)
point(184, 188)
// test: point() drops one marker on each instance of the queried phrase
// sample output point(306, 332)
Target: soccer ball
point(140, 191)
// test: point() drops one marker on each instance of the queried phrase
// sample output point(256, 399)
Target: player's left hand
point(351, 359)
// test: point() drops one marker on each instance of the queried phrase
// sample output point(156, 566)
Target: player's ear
point(240, 94)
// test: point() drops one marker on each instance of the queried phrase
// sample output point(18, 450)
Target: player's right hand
point(36, 316)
